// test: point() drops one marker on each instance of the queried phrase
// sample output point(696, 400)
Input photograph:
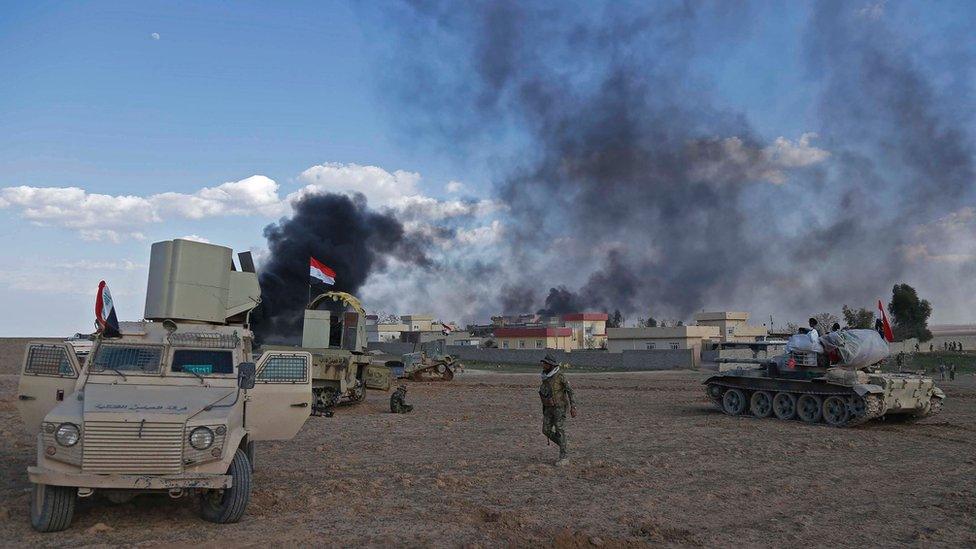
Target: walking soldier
point(556, 396)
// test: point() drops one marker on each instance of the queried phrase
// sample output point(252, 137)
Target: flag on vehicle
point(447, 329)
point(888, 335)
point(317, 269)
point(108, 323)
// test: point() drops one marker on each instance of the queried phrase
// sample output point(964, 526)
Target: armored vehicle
point(428, 362)
point(336, 339)
point(839, 384)
point(172, 404)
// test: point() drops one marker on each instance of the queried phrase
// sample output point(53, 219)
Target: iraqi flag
point(317, 269)
point(447, 329)
point(888, 335)
point(108, 323)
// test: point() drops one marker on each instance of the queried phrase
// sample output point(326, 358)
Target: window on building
point(674, 345)
point(521, 344)
point(651, 346)
point(539, 344)
point(730, 330)
point(504, 345)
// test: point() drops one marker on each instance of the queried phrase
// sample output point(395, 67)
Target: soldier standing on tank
point(398, 404)
point(556, 395)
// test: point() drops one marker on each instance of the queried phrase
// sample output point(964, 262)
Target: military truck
point(839, 383)
point(335, 336)
point(172, 405)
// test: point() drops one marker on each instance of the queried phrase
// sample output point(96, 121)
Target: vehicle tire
point(761, 404)
point(808, 408)
point(784, 405)
point(250, 450)
point(835, 411)
point(734, 402)
point(52, 507)
point(227, 506)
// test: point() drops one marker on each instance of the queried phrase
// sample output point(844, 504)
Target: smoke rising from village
point(338, 230)
point(636, 188)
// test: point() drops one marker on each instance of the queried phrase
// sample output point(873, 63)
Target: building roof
point(416, 318)
point(721, 315)
point(585, 316)
point(533, 332)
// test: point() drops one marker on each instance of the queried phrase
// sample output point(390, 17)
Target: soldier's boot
point(563, 459)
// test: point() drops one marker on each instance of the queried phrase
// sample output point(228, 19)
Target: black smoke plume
point(635, 188)
point(341, 232)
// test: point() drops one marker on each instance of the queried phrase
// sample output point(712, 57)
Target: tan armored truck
point(174, 405)
point(342, 368)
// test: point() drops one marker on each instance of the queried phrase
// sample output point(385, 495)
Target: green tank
point(831, 385)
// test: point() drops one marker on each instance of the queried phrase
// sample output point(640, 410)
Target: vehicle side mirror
point(246, 375)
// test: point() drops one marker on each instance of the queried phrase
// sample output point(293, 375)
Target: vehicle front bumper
point(40, 475)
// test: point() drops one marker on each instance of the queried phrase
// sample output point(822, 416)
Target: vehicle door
point(281, 400)
point(47, 377)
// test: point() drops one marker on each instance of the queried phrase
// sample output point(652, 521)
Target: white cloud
point(195, 238)
point(949, 239)
point(873, 11)
point(380, 187)
point(732, 158)
point(155, 36)
point(454, 187)
point(116, 218)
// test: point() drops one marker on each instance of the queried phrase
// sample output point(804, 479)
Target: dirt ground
point(652, 463)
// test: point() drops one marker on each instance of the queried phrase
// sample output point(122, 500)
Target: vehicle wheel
point(734, 402)
point(250, 451)
point(808, 408)
point(52, 507)
point(835, 411)
point(761, 404)
point(226, 506)
point(784, 406)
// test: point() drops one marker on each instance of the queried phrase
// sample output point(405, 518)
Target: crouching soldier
point(556, 396)
point(398, 402)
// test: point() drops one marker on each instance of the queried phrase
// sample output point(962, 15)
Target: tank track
point(872, 408)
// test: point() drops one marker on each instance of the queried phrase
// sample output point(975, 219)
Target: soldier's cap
point(549, 361)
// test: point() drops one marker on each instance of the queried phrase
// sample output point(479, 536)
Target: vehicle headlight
point(201, 438)
point(67, 434)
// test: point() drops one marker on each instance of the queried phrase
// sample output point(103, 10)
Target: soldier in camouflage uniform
point(398, 404)
point(556, 396)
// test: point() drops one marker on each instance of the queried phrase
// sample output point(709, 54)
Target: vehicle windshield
point(127, 358)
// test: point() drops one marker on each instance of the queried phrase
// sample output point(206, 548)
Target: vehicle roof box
point(191, 280)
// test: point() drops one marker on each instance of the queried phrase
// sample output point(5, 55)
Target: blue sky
point(139, 99)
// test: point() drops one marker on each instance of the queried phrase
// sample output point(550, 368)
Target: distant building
point(381, 332)
point(558, 337)
point(732, 326)
point(589, 329)
point(656, 339)
point(419, 323)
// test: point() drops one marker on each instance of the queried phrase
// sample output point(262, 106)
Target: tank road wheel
point(226, 506)
point(864, 409)
point(52, 507)
point(784, 406)
point(808, 408)
point(935, 407)
point(734, 402)
point(835, 411)
point(714, 393)
point(761, 404)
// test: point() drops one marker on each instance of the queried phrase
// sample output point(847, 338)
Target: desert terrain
point(652, 464)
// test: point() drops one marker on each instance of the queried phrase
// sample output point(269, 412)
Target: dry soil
point(652, 464)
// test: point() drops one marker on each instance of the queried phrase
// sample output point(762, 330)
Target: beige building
point(732, 326)
point(589, 329)
point(381, 332)
point(536, 338)
point(419, 323)
point(655, 339)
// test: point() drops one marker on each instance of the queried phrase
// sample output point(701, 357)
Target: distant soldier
point(931, 347)
point(556, 395)
point(398, 404)
point(942, 371)
point(952, 372)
